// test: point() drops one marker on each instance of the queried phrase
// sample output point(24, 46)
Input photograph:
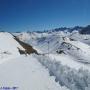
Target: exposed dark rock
point(28, 48)
point(85, 30)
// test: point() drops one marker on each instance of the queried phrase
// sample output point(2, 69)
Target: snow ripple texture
point(71, 78)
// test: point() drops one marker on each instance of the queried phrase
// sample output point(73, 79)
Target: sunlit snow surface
point(69, 70)
point(21, 71)
point(8, 47)
point(27, 73)
point(72, 67)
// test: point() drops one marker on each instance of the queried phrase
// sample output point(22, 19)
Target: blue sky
point(20, 15)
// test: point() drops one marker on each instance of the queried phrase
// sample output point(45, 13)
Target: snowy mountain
point(78, 28)
point(22, 71)
point(65, 54)
point(85, 30)
point(55, 60)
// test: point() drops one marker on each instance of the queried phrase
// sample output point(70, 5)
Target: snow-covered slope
point(8, 46)
point(61, 42)
point(22, 72)
point(68, 72)
point(77, 49)
point(62, 54)
point(85, 38)
point(26, 73)
point(67, 51)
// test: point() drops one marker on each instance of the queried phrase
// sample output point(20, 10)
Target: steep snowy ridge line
point(8, 47)
point(7, 41)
